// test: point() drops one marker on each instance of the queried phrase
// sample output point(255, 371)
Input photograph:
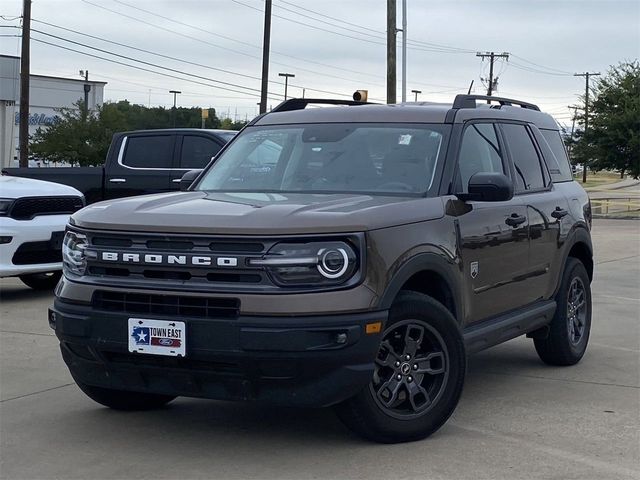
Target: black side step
point(505, 327)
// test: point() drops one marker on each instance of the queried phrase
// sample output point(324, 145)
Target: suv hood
point(256, 213)
point(18, 187)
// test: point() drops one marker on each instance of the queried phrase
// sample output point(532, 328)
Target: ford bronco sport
point(349, 256)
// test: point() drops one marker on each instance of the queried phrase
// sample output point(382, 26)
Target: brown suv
point(349, 256)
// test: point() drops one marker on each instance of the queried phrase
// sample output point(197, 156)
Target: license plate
point(157, 337)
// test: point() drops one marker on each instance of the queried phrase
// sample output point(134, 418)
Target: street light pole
point(175, 93)
point(416, 93)
point(286, 81)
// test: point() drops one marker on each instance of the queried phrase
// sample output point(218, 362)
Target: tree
point(83, 138)
point(613, 139)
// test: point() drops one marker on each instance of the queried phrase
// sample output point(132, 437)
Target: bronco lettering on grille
point(160, 259)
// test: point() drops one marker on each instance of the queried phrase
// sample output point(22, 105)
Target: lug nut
point(397, 364)
point(398, 377)
point(407, 357)
point(410, 378)
point(415, 366)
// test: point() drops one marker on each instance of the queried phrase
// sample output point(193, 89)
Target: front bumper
point(285, 360)
point(38, 233)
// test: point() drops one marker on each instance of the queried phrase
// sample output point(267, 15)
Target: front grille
point(172, 305)
point(179, 276)
point(30, 207)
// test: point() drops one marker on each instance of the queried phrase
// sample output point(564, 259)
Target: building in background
point(46, 96)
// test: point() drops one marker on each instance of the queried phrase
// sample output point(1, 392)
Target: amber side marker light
point(371, 328)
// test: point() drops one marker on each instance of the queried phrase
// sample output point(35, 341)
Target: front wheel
point(569, 330)
point(418, 377)
point(124, 400)
point(41, 281)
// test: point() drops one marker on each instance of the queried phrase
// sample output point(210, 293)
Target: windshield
point(329, 158)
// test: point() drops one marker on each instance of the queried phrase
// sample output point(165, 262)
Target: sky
point(211, 50)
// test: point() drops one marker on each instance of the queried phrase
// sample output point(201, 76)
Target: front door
point(144, 165)
point(493, 237)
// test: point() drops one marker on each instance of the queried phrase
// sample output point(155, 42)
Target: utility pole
point(404, 51)
point(586, 76)
point(87, 89)
point(286, 76)
point(416, 93)
point(175, 92)
point(265, 56)
point(492, 58)
point(25, 60)
point(573, 122)
point(391, 51)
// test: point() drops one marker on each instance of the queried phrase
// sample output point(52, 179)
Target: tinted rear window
point(529, 174)
point(559, 166)
point(149, 151)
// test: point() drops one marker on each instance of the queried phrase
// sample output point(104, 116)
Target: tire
point(41, 281)
point(124, 400)
point(408, 401)
point(569, 330)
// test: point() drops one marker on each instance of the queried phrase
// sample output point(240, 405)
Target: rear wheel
point(569, 330)
point(418, 377)
point(124, 400)
point(41, 281)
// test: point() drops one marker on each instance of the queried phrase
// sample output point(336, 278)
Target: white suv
point(33, 216)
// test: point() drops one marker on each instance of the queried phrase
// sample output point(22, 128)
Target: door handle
point(559, 213)
point(514, 220)
point(118, 180)
point(176, 180)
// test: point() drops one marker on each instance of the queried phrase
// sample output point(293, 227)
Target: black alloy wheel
point(411, 369)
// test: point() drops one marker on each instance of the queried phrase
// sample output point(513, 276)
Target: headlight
point(310, 264)
point(74, 260)
point(5, 205)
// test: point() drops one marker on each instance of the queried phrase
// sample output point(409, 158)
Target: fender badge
point(474, 269)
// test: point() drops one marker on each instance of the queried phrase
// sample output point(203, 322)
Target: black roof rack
point(301, 103)
point(469, 101)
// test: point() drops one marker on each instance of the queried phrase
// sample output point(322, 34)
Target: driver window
point(479, 152)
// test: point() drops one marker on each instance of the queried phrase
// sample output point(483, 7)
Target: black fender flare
point(433, 262)
point(580, 234)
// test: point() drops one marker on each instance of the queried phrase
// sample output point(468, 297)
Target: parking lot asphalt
point(517, 418)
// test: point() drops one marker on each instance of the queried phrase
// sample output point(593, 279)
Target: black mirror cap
point(188, 178)
point(488, 187)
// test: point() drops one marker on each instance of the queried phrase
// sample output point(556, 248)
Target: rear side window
point(559, 166)
point(529, 173)
point(149, 151)
point(197, 151)
point(479, 152)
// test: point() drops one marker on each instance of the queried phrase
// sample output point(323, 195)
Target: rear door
point(493, 236)
point(194, 152)
point(144, 165)
point(546, 208)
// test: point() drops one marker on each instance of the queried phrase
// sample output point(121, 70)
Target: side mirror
point(488, 187)
point(188, 178)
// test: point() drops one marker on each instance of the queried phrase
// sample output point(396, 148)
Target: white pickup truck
point(33, 216)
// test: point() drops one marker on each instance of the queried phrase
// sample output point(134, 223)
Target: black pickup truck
point(138, 162)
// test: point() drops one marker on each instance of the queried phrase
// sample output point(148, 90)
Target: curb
point(613, 217)
point(615, 186)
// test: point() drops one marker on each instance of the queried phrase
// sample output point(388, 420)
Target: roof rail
point(301, 103)
point(469, 101)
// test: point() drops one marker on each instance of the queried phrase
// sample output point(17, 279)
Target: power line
point(126, 57)
point(163, 56)
point(141, 68)
point(240, 41)
point(200, 40)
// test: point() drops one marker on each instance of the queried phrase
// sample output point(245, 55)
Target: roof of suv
point(420, 112)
